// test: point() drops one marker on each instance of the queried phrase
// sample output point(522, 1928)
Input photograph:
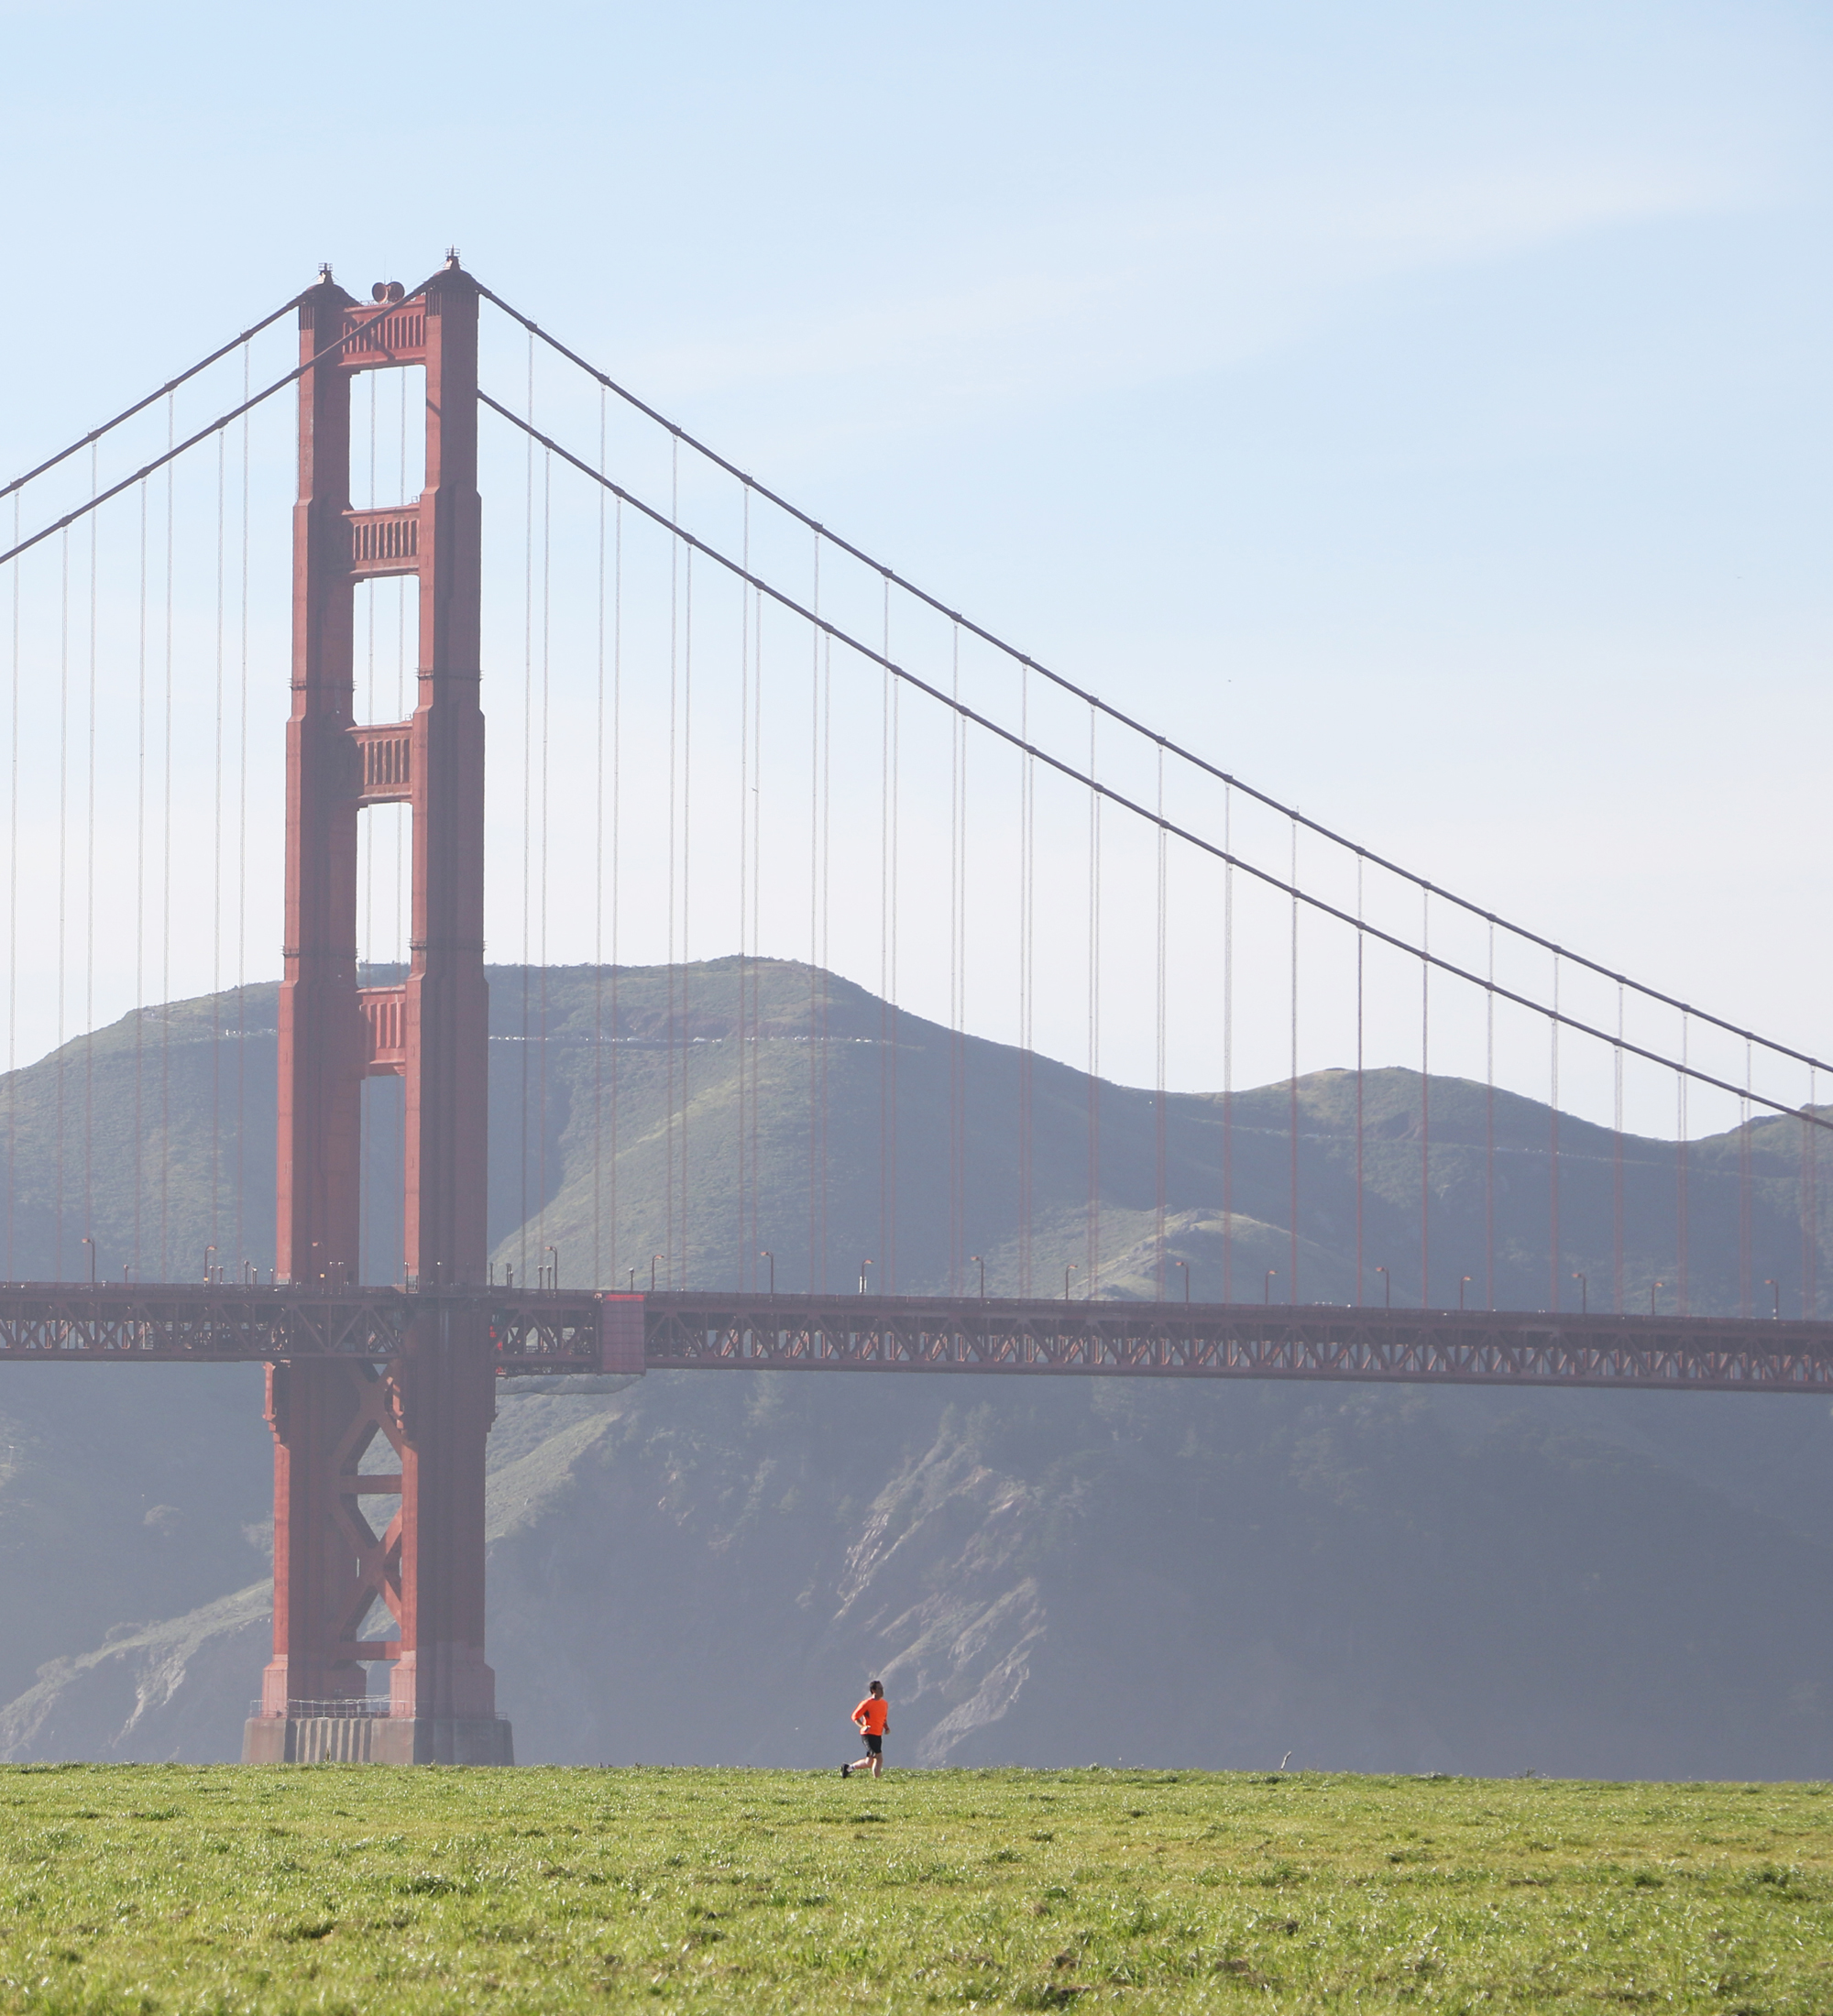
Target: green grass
point(363, 1889)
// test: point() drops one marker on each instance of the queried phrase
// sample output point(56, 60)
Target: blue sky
point(1422, 408)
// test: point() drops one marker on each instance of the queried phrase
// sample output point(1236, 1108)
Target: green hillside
point(709, 1111)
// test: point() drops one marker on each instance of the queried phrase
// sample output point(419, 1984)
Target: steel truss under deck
point(555, 1332)
point(1176, 1340)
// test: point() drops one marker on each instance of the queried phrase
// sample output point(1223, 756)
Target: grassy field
point(359, 1888)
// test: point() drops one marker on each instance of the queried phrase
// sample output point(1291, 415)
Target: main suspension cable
point(1066, 769)
point(1123, 718)
point(152, 398)
point(174, 451)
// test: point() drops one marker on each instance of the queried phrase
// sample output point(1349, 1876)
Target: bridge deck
point(60, 1322)
point(576, 1331)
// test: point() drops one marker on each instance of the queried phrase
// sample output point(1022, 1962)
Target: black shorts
point(874, 1746)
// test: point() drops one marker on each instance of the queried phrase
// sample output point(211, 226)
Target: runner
point(873, 1717)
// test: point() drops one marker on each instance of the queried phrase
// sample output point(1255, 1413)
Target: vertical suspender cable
point(527, 812)
point(1425, 1102)
point(897, 713)
point(598, 894)
point(826, 915)
point(960, 1061)
point(372, 946)
point(1489, 1128)
point(1683, 1240)
point(888, 1278)
point(1810, 1209)
point(956, 1115)
point(88, 887)
point(546, 718)
point(399, 951)
point(687, 887)
point(673, 973)
point(242, 842)
point(1360, 950)
point(13, 928)
point(885, 1281)
point(1556, 1270)
point(1027, 946)
point(1292, 1093)
point(754, 812)
point(1158, 1035)
point(1617, 1161)
point(403, 902)
point(961, 849)
point(1744, 1120)
point(1227, 1048)
point(617, 840)
point(166, 867)
point(141, 890)
point(216, 856)
point(371, 706)
point(1092, 1262)
point(746, 1273)
point(400, 816)
point(62, 890)
point(815, 1280)
point(747, 1247)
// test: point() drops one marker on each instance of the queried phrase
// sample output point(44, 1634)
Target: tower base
point(375, 1739)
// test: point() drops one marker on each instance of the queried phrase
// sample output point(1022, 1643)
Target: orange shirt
point(872, 1714)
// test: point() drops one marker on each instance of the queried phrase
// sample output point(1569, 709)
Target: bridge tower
point(432, 1407)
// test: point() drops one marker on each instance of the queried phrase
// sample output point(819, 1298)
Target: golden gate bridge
point(873, 754)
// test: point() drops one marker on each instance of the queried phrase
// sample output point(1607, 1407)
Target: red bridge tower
point(432, 1405)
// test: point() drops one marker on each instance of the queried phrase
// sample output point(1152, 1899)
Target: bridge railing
point(72, 1323)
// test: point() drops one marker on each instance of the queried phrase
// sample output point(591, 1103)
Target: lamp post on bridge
point(764, 1253)
point(1266, 1287)
point(91, 1244)
point(1652, 1287)
point(1584, 1295)
point(1775, 1299)
point(1462, 1283)
point(1071, 1269)
point(974, 1257)
point(1186, 1266)
point(1386, 1287)
point(864, 1266)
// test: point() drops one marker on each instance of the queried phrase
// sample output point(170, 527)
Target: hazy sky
point(1422, 409)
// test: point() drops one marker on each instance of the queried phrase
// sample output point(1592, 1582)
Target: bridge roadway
point(576, 1331)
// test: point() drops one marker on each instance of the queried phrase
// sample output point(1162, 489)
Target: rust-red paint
point(434, 1399)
